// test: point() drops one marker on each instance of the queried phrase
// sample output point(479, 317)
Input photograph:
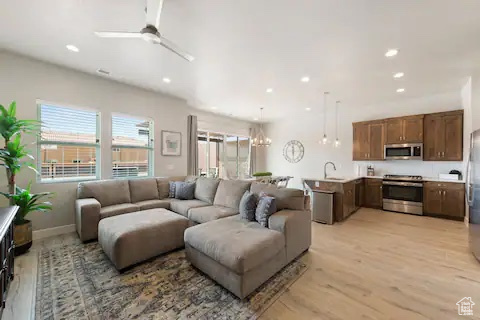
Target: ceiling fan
point(150, 34)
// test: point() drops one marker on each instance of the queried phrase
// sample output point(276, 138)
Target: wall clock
point(293, 151)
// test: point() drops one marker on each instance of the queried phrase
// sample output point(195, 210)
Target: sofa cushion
point(286, 198)
point(152, 204)
point(182, 206)
point(206, 188)
point(117, 209)
point(265, 208)
point(184, 190)
point(163, 185)
point(107, 192)
point(247, 206)
point(230, 192)
point(235, 243)
point(143, 189)
point(205, 214)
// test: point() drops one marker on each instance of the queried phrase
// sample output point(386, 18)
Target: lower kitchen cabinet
point(373, 193)
point(444, 199)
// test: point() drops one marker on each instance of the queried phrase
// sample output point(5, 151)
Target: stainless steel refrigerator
point(473, 193)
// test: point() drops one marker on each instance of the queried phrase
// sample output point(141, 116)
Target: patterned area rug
point(77, 281)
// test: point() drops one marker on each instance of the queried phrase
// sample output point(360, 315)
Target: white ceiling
point(243, 47)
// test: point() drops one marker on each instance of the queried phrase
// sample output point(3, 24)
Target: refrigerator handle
point(468, 178)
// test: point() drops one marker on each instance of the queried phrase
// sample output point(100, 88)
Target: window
point(132, 147)
point(68, 146)
point(226, 156)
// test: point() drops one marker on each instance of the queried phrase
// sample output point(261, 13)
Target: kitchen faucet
point(325, 169)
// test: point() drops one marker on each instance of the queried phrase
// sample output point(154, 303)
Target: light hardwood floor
point(375, 265)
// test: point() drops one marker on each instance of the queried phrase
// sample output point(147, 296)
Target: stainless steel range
point(403, 193)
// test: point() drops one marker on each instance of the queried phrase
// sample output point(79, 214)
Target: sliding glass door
point(223, 155)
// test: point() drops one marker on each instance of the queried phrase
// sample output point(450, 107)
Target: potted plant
point(27, 202)
point(12, 157)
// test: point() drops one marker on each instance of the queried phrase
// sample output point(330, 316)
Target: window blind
point(68, 145)
point(132, 147)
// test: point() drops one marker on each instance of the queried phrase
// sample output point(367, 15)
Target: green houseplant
point(14, 156)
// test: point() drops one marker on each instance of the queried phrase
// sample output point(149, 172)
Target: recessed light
point(213, 108)
point(72, 48)
point(305, 79)
point(391, 53)
point(400, 90)
point(166, 80)
point(308, 109)
point(398, 75)
point(255, 119)
point(269, 90)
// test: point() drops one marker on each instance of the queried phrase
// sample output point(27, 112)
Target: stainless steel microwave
point(405, 151)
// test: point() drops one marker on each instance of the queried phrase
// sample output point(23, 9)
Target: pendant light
point(325, 139)
point(337, 141)
point(260, 139)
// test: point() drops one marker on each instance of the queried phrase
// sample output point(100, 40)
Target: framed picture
point(171, 143)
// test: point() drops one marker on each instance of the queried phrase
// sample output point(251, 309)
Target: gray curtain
point(253, 153)
point(192, 152)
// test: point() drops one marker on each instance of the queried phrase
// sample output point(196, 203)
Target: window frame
point(41, 142)
point(150, 148)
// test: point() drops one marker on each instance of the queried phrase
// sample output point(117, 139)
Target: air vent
point(104, 72)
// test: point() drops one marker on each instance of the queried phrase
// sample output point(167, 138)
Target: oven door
point(405, 151)
point(403, 196)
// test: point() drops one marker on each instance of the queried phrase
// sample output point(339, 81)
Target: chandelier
point(261, 140)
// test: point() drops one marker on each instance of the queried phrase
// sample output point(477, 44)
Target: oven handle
point(404, 184)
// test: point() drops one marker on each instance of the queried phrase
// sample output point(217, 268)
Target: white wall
point(25, 80)
point(307, 127)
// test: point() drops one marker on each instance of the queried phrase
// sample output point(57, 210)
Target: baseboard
point(50, 232)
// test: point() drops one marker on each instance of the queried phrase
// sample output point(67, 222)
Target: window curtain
point(192, 152)
point(253, 153)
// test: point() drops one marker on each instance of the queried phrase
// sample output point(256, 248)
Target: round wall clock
point(293, 151)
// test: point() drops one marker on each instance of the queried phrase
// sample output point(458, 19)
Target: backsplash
point(430, 169)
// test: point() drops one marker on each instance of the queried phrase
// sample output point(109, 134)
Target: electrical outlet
point(317, 184)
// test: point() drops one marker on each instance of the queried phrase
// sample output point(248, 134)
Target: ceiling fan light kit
point(149, 34)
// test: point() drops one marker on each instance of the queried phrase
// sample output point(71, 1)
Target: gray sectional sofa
point(135, 220)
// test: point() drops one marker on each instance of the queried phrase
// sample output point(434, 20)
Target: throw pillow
point(265, 208)
point(171, 189)
point(184, 190)
point(247, 207)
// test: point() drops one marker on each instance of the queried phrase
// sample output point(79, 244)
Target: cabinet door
point(357, 138)
point(348, 199)
point(432, 198)
point(373, 193)
point(453, 146)
point(413, 129)
point(376, 133)
point(434, 137)
point(394, 131)
point(453, 203)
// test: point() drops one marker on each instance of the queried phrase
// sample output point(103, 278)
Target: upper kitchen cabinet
point(368, 140)
point(404, 130)
point(443, 136)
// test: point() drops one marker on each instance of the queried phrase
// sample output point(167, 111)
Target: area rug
point(77, 281)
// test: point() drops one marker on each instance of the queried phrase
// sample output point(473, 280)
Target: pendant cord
point(325, 113)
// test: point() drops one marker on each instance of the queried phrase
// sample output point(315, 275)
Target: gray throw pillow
point(247, 207)
point(171, 189)
point(265, 208)
point(184, 190)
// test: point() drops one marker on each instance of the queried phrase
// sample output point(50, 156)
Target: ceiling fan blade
point(159, 12)
point(175, 49)
point(114, 34)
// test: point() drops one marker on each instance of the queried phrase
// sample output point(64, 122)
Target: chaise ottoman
point(131, 238)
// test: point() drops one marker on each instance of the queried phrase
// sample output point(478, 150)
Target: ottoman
point(240, 255)
point(134, 237)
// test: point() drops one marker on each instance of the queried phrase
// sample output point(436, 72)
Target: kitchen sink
point(335, 179)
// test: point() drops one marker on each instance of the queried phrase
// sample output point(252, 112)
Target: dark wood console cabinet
point(7, 252)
